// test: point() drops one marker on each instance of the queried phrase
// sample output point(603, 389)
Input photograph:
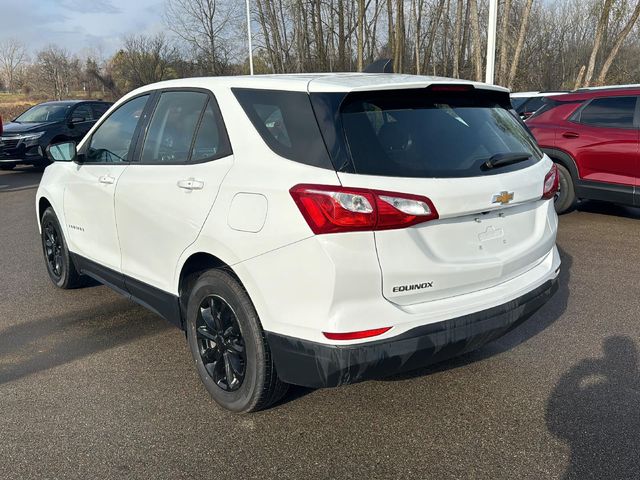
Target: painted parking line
point(4, 188)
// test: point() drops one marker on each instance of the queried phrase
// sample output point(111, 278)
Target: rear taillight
point(551, 182)
point(333, 209)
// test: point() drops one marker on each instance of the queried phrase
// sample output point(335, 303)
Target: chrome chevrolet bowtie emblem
point(503, 198)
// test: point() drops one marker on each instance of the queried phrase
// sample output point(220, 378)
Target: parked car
point(315, 230)
point(592, 135)
point(526, 103)
point(25, 139)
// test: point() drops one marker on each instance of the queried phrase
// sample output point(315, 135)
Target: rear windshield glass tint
point(517, 102)
point(415, 133)
point(286, 123)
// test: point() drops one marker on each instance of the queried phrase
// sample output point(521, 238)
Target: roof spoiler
point(384, 65)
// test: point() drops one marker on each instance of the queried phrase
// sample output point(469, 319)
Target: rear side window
point(173, 126)
point(99, 109)
point(211, 138)
point(613, 112)
point(287, 124)
point(83, 112)
point(415, 133)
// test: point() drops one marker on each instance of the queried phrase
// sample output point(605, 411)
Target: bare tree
point(361, 17)
point(13, 56)
point(521, 38)
point(618, 43)
point(504, 42)
point(477, 43)
point(600, 32)
point(206, 26)
point(457, 40)
point(54, 70)
point(143, 60)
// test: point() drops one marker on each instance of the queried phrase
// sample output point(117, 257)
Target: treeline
point(541, 44)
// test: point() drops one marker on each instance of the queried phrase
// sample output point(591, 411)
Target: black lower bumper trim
point(316, 365)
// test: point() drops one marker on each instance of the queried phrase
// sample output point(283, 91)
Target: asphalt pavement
point(94, 386)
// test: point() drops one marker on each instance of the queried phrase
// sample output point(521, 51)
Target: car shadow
point(33, 346)
point(21, 178)
point(594, 408)
point(606, 208)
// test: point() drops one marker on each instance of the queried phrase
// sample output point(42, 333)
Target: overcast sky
point(78, 25)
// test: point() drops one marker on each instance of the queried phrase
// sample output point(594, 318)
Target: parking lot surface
point(94, 386)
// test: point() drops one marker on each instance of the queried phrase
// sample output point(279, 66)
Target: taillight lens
point(333, 209)
point(551, 182)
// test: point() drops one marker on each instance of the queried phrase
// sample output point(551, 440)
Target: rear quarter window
point(287, 124)
point(611, 112)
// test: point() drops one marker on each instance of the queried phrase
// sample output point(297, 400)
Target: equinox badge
point(502, 198)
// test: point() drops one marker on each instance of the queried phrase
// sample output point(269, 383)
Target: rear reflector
point(333, 209)
point(551, 183)
point(356, 335)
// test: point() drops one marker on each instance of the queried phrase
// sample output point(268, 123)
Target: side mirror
point(62, 152)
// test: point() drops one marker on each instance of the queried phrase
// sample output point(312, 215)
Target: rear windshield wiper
point(503, 159)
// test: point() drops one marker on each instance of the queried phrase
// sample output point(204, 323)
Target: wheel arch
point(196, 263)
point(564, 159)
point(43, 204)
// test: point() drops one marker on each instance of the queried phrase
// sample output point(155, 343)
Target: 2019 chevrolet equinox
point(309, 229)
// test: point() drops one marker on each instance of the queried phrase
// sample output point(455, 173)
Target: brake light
point(356, 335)
point(551, 183)
point(451, 88)
point(333, 209)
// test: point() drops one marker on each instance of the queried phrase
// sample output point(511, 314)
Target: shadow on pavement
point(605, 208)
point(19, 179)
point(33, 346)
point(595, 409)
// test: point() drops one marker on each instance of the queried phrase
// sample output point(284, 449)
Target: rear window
point(415, 133)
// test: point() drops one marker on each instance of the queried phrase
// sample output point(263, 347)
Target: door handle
point(570, 135)
point(191, 184)
point(106, 179)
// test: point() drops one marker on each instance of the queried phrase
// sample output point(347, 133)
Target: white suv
point(309, 229)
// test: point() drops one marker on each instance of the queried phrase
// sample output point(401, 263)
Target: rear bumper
point(312, 364)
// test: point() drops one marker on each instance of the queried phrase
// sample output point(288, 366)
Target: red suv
point(593, 136)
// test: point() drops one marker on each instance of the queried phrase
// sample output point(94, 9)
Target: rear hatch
point(463, 149)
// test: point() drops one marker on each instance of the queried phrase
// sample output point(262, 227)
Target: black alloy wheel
point(60, 265)
point(220, 343)
point(228, 344)
point(53, 249)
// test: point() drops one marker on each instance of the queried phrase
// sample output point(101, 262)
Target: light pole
point(249, 37)
point(491, 41)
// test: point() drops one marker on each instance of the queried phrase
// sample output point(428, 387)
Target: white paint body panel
point(89, 213)
point(157, 220)
point(302, 284)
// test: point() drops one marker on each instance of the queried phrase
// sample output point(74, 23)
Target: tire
point(7, 166)
point(566, 196)
point(228, 345)
point(60, 266)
